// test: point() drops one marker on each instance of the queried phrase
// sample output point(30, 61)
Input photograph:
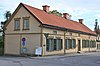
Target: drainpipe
point(41, 45)
point(46, 36)
point(64, 42)
point(89, 44)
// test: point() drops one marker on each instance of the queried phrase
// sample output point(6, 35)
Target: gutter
point(66, 29)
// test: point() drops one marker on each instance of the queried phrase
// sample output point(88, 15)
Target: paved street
point(84, 59)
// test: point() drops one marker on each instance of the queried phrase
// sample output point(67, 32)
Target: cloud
point(97, 15)
point(86, 9)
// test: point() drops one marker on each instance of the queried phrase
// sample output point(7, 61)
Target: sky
point(89, 10)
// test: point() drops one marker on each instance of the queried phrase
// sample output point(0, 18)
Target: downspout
point(20, 43)
point(89, 43)
point(64, 42)
point(3, 41)
point(41, 39)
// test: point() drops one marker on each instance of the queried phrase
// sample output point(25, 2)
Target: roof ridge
point(32, 7)
point(48, 13)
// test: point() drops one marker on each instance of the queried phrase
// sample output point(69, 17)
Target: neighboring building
point(97, 30)
point(98, 40)
point(31, 28)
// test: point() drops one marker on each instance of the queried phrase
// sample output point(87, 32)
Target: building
point(30, 28)
point(98, 40)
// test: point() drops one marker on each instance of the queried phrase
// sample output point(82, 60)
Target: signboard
point(23, 41)
point(38, 51)
point(23, 50)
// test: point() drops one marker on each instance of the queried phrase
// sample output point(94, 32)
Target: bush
point(1, 45)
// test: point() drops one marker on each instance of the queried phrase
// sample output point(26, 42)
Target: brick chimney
point(66, 16)
point(46, 8)
point(80, 21)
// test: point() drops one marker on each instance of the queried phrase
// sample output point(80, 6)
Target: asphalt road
point(84, 59)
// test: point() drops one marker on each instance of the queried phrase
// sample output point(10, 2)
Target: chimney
point(66, 16)
point(80, 21)
point(46, 8)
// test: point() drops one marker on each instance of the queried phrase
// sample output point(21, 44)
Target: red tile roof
point(97, 31)
point(54, 20)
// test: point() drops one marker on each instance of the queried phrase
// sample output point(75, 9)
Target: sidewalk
point(67, 55)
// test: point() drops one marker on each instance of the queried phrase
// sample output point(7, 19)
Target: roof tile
point(54, 20)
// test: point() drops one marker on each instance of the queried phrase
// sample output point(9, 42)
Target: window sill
point(54, 50)
point(25, 29)
point(16, 29)
point(70, 48)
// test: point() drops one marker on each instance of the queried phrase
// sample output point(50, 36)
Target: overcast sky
point(89, 10)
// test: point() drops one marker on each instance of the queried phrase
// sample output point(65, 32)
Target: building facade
point(30, 28)
point(98, 40)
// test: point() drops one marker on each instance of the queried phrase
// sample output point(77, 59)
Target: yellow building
point(30, 28)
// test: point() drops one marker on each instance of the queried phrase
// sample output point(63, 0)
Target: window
point(17, 24)
point(26, 23)
point(73, 43)
point(85, 43)
point(92, 43)
point(54, 44)
point(59, 44)
point(98, 46)
point(70, 43)
point(67, 45)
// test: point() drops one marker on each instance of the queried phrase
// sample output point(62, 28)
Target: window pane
point(55, 44)
point(47, 45)
point(87, 43)
point(92, 43)
point(59, 44)
point(73, 43)
point(26, 23)
point(66, 42)
point(83, 43)
point(17, 24)
point(98, 46)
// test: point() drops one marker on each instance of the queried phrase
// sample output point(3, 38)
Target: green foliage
point(55, 12)
point(1, 45)
point(7, 15)
point(0, 30)
point(1, 41)
point(96, 25)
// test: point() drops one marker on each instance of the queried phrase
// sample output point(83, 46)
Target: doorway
point(79, 45)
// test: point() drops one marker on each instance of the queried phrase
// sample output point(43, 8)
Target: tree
point(96, 25)
point(0, 30)
point(7, 15)
point(55, 12)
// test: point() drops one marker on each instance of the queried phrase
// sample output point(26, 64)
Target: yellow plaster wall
point(33, 23)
